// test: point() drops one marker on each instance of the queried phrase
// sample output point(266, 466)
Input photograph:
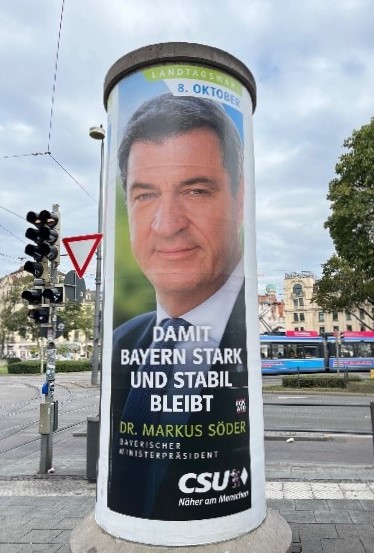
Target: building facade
point(301, 313)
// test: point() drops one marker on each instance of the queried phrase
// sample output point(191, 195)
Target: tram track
point(24, 431)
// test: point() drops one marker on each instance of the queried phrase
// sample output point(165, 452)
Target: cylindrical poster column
point(181, 449)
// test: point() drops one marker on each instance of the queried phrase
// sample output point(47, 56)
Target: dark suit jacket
point(149, 488)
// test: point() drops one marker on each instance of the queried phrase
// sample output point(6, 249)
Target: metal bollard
point(92, 452)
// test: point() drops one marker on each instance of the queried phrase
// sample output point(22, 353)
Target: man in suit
point(181, 165)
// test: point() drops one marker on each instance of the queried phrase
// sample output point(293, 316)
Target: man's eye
point(197, 192)
point(144, 197)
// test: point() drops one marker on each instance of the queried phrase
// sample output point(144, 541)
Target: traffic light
point(34, 297)
point(54, 295)
point(40, 315)
point(46, 238)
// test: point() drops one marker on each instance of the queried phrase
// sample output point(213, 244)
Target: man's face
point(184, 219)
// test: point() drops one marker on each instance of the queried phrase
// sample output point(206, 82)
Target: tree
point(345, 288)
point(351, 224)
point(77, 316)
point(347, 281)
point(13, 312)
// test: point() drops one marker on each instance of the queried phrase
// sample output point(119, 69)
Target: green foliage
point(317, 381)
point(77, 316)
point(347, 281)
point(33, 366)
point(343, 287)
point(12, 317)
point(12, 360)
point(351, 224)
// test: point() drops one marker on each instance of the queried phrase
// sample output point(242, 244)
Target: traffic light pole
point(49, 409)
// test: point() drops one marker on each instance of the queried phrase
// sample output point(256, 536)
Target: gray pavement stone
point(335, 517)
point(312, 546)
point(367, 504)
point(317, 531)
point(341, 504)
point(310, 504)
point(350, 545)
point(359, 530)
point(299, 516)
point(40, 536)
point(281, 505)
point(368, 545)
point(362, 516)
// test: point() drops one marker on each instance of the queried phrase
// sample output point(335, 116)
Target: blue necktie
point(138, 405)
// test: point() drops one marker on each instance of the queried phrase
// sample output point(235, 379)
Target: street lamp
point(98, 133)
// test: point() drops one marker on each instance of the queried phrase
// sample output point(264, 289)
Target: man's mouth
point(175, 253)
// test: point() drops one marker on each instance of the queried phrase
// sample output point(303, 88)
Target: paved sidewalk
point(329, 508)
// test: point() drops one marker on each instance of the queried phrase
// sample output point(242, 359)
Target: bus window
point(311, 351)
point(277, 351)
point(346, 350)
point(364, 350)
point(300, 352)
point(265, 350)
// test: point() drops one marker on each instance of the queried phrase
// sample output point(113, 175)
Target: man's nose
point(170, 216)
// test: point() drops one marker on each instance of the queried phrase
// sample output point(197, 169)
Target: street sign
point(75, 287)
point(81, 250)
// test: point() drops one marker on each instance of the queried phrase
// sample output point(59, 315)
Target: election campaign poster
point(181, 453)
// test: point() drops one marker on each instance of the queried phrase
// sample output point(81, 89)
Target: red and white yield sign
point(81, 250)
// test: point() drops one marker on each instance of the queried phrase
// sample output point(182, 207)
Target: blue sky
point(312, 61)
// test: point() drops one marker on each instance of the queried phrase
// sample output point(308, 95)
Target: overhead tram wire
point(11, 234)
point(71, 176)
point(35, 154)
point(55, 76)
point(12, 212)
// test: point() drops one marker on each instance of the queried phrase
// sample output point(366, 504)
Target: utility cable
point(12, 212)
point(71, 176)
point(11, 234)
point(25, 155)
point(55, 76)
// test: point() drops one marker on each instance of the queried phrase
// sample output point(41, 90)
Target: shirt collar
point(214, 311)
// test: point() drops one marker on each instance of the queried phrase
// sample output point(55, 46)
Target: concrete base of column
point(273, 535)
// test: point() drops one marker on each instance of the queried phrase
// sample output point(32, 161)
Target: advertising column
point(181, 450)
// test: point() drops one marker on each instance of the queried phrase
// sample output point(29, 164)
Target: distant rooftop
point(302, 274)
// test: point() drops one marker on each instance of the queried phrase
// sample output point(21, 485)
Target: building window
point(362, 314)
point(348, 315)
point(349, 328)
point(335, 316)
point(336, 328)
point(362, 328)
point(301, 302)
point(295, 317)
point(295, 304)
point(321, 317)
point(302, 317)
point(322, 330)
point(297, 290)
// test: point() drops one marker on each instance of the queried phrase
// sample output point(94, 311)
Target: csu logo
point(217, 481)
